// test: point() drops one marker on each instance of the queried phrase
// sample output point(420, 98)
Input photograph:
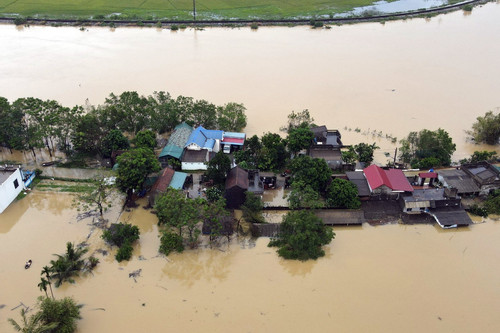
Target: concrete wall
point(8, 192)
point(193, 166)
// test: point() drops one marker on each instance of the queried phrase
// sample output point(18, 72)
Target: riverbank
point(316, 20)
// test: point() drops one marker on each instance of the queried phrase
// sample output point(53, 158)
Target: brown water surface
point(395, 278)
point(390, 78)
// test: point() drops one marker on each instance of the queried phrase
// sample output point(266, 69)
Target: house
point(232, 141)
point(358, 179)
point(389, 181)
point(236, 186)
point(167, 178)
point(201, 138)
point(11, 184)
point(485, 175)
point(195, 159)
point(326, 145)
point(176, 143)
point(459, 179)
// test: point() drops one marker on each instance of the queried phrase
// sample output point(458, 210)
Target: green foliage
point(426, 143)
point(479, 156)
point(218, 167)
point(88, 134)
point(252, 208)
point(304, 196)
point(231, 117)
point(342, 193)
point(298, 119)
point(467, 8)
point(120, 233)
point(312, 171)
point(174, 27)
point(492, 203)
point(486, 129)
point(299, 138)
point(349, 156)
point(170, 242)
point(33, 324)
point(113, 141)
point(20, 20)
point(302, 234)
point(250, 154)
point(65, 312)
point(479, 211)
point(425, 163)
point(145, 139)
point(364, 152)
point(254, 26)
point(134, 166)
point(176, 211)
point(273, 154)
point(212, 215)
point(68, 265)
point(214, 193)
point(124, 252)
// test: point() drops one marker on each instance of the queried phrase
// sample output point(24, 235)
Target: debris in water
point(101, 251)
point(2, 306)
point(143, 304)
point(142, 258)
point(101, 309)
point(135, 274)
point(440, 318)
point(216, 314)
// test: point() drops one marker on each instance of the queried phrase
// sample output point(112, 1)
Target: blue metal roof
point(213, 134)
point(200, 136)
point(234, 135)
point(209, 144)
point(178, 180)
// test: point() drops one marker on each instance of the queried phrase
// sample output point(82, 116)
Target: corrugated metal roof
point(449, 217)
point(460, 180)
point(428, 175)
point(178, 180)
point(358, 179)
point(237, 177)
point(235, 135)
point(163, 180)
point(209, 144)
point(233, 141)
point(172, 150)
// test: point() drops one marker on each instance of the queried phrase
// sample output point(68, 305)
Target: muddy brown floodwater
point(391, 278)
point(393, 77)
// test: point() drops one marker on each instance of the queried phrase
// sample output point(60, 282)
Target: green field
point(177, 9)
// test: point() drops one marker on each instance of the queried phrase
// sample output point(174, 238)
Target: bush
point(65, 312)
point(120, 233)
point(170, 242)
point(467, 8)
point(20, 20)
point(479, 211)
point(427, 163)
point(124, 252)
point(254, 26)
point(174, 27)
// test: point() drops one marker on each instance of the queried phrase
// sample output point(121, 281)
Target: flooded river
point(390, 78)
point(395, 278)
point(393, 77)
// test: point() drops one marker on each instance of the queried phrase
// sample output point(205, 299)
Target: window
point(16, 183)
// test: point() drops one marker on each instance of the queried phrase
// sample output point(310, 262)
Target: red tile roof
point(392, 178)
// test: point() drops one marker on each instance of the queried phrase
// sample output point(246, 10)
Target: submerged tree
point(252, 208)
point(99, 195)
point(68, 265)
point(32, 324)
point(342, 193)
point(486, 129)
point(302, 235)
point(427, 144)
point(64, 312)
point(231, 117)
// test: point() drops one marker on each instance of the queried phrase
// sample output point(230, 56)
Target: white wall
point(193, 166)
point(7, 190)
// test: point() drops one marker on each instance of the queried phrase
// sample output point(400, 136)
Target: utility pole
point(395, 154)
point(194, 9)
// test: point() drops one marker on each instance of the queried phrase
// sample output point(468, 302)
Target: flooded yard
point(404, 278)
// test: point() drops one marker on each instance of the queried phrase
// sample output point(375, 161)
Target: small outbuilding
point(11, 184)
point(236, 187)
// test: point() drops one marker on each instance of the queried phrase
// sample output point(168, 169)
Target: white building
point(11, 184)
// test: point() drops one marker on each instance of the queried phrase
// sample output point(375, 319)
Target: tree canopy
point(363, 152)
point(231, 117)
point(342, 193)
point(218, 168)
point(302, 235)
point(299, 138)
point(145, 139)
point(133, 168)
point(486, 129)
point(312, 171)
point(427, 144)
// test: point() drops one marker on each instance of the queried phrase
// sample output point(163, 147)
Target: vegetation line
point(353, 19)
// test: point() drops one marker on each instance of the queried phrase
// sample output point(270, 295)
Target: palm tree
point(43, 285)
point(46, 271)
point(32, 324)
point(68, 265)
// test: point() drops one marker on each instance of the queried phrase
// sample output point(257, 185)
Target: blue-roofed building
point(178, 180)
point(176, 143)
point(202, 138)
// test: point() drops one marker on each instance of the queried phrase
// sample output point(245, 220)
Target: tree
point(87, 134)
point(67, 265)
point(122, 235)
point(33, 324)
point(114, 141)
point(46, 271)
point(304, 196)
point(299, 138)
point(312, 171)
point(128, 112)
point(176, 211)
point(478, 156)
point(99, 196)
point(64, 312)
point(273, 153)
point(426, 143)
point(133, 168)
point(364, 152)
point(213, 214)
point(301, 236)
point(252, 208)
point(349, 156)
point(342, 193)
point(170, 242)
point(145, 139)
point(486, 129)
point(250, 155)
point(218, 167)
point(231, 117)
point(298, 119)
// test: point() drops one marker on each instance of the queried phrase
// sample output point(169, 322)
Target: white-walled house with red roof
point(382, 181)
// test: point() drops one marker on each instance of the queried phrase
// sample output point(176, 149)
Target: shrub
point(20, 20)
point(119, 233)
point(174, 27)
point(254, 26)
point(124, 252)
point(170, 242)
point(479, 211)
point(467, 8)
